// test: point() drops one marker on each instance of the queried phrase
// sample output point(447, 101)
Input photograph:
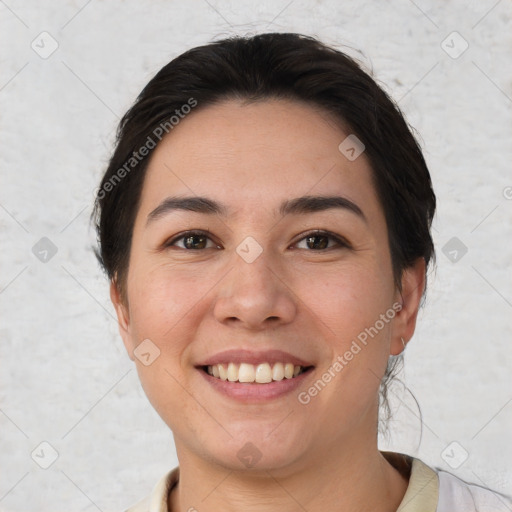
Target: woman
point(265, 224)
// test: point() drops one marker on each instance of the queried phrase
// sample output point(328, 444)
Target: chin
point(257, 452)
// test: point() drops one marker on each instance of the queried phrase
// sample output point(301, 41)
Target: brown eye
point(317, 242)
point(193, 241)
point(320, 240)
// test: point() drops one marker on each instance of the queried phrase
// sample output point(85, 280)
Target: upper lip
point(253, 357)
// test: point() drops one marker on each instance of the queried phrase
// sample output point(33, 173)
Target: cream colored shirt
point(429, 490)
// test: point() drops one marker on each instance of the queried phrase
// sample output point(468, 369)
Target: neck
point(336, 480)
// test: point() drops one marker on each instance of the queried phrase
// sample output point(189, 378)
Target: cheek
point(163, 303)
point(350, 299)
point(163, 299)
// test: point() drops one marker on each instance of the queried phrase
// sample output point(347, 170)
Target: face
point(285, 261)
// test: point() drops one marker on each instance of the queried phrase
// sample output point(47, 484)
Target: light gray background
point(66, 379)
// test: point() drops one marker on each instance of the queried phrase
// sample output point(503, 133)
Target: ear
point(413, 286)
point(123, 317)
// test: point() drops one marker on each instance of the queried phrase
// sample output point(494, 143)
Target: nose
point(255, 295)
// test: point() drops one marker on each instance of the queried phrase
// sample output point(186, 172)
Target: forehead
point(252, 157)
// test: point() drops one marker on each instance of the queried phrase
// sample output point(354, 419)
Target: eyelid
point(190, 232)
point(338, 239)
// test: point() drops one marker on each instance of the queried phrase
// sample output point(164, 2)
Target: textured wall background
point(66, 380)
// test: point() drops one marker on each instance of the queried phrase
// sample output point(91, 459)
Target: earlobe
point(123, 317)
point(413, 286)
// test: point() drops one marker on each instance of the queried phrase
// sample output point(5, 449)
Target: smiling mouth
point(262, 373)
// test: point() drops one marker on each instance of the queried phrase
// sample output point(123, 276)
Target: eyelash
point(340, 241)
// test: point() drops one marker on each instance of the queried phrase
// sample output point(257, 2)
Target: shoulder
point(141, 506)
point(157, 500)
point(456, 494)
point(432, 489)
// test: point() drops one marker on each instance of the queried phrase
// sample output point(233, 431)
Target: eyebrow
point(300, 205)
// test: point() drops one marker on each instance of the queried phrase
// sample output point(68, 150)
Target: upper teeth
point(261, 373)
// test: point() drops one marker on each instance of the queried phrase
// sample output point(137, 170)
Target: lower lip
point(252, 391)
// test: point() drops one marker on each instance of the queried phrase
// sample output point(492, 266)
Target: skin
point(194, 303)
